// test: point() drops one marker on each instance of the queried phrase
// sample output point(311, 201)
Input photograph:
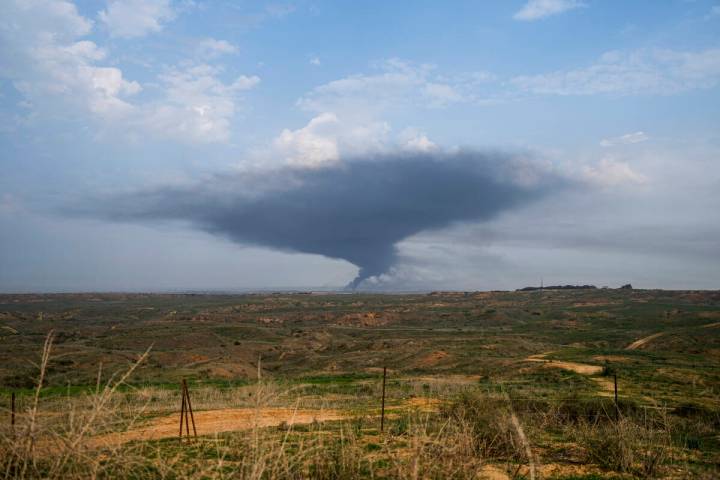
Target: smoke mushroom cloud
point(357, 210)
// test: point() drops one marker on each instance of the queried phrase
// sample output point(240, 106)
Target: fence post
point(382, 412)
point(182, 411)
point(12, 412)
point(187, 422)
point(189, 407)
point(617, 407)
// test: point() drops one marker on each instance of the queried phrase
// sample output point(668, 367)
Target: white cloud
point(44, 56)
point(404, 85)
point(397, 84)
point(136, 18)
point(413, 140)
point(661, 72)
point(441, 93)
point(210, 47)
point(315, 61)
point(198, 106)
point(327, 138)
point(537, 9)
point(61, 74)
point(627, 139)
point(243, 82)
point(313, 145)
point(610, 172)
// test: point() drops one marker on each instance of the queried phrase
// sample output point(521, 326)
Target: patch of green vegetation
point(343, 378)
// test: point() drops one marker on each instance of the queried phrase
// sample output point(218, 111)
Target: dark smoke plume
point(357, 211)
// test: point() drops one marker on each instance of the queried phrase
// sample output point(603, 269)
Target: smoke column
point(357, 210)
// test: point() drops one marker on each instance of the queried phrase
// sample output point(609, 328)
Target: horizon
point(340, 290)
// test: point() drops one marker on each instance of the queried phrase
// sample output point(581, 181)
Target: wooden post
point(617, 407)
point(12, 411)
point(187, 425)
point(382, 412)
point(182, 411)
point(189, 405)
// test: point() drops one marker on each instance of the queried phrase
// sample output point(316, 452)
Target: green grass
point(344, 378)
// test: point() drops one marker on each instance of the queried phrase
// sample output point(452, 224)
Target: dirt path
point(216, 421)
point(639, 343)
point(606, 385)
point(210, 422)
point(581, 368)
point(493, 472)
point(643, 341)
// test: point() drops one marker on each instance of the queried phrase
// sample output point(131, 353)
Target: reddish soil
point(216, 421)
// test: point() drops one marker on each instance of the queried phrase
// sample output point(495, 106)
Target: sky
point(165, 145)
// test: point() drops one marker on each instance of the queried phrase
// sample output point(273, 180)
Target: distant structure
point(557, 287)
point(627, 286)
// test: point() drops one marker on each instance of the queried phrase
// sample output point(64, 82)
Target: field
point(479, 385)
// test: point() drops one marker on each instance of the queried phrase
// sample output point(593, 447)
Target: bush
point(625, 446)
point(488, 422)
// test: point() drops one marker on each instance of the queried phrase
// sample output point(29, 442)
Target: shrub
point(488, 422)
point(625, 446)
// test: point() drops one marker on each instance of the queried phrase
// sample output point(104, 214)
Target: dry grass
point(60, 445)
point(625, 446)
point(460, 434)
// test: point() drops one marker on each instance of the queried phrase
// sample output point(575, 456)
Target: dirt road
point(581, 368)
point(639, 343)
point(216, 421)
point(607, 387)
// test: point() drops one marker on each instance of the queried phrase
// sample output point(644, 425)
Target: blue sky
point(108, 98)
